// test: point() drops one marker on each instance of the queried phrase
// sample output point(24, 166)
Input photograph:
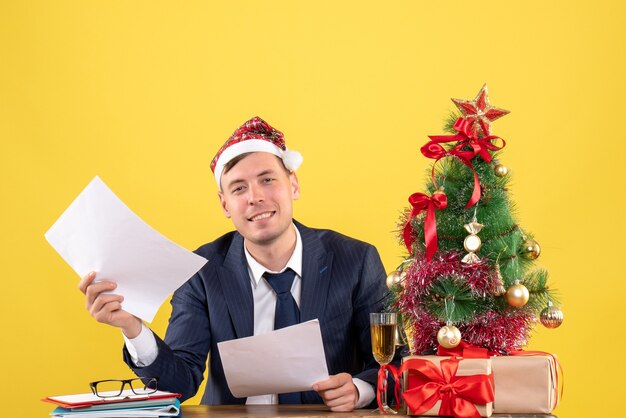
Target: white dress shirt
point(143, 349)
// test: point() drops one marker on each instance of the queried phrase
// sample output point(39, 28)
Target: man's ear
point(223, 204)
point(295, 186)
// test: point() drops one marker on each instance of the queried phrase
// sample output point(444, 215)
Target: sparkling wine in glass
point(383, 329)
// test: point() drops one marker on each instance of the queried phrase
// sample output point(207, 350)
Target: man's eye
point(268, 180)
point(237, 189)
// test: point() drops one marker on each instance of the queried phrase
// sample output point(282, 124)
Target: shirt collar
point(256, 270)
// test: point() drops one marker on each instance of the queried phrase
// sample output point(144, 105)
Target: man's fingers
point(342, 399)
point(110, 313)
point(86, 281)
point(332, 401)
point(331, 383)
point(334, 397)
point(338, 392)
point(101, 302)
point(331, 394)
point(94, 290)
point(106, 307)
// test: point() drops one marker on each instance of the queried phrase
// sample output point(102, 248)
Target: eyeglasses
point(112, 388)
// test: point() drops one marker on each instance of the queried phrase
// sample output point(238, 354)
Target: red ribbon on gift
point(458, 394)
point(466, 138)
point(465, 350)
point(421, 202)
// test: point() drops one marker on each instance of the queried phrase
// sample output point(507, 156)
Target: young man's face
point(257, 194)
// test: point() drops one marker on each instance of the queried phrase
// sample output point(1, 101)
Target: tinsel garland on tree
point(471, 265)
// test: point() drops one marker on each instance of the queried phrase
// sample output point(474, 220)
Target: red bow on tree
point(421, 202)
point(466, 138)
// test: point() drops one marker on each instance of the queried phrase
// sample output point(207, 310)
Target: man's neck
point(274, 256)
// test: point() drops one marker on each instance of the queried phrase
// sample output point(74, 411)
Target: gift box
point(447, 386)
point(525, 383)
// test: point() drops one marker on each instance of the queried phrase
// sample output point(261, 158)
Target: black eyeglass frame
point(123, 383)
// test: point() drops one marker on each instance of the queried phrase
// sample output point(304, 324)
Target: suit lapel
point(235, 281)
point(316, 268)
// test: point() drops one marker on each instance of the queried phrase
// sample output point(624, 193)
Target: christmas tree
point(471, 273)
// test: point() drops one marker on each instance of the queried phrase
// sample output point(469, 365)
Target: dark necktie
point(286, 314)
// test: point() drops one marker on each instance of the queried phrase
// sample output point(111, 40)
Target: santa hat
point(255, 135)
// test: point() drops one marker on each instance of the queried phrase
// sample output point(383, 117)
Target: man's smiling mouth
point(261, 216)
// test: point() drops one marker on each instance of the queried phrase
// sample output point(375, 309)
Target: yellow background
point(142, 93)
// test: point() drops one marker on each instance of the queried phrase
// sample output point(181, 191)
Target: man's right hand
point(106, 307)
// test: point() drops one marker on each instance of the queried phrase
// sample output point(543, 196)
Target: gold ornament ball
point(394, 278)
point(531, 249)
point(517, 295)
point(500, 170)
point(449, 336)
point(551, 317)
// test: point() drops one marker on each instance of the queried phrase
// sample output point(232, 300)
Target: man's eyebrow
point(233, 181)
point(261, 174)
point(266, 172)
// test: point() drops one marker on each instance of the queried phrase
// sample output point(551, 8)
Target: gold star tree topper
point(479, 112)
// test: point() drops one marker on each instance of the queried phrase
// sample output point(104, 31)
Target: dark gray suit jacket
point(343, 280)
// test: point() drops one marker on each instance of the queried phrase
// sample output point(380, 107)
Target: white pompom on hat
point(255, 135)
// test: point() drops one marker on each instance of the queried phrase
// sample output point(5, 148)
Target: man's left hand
point(338, 392)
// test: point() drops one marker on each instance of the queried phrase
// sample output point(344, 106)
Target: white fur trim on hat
point(291, 159)
point(235, 150)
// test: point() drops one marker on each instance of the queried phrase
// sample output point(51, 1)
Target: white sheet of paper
point(98, 232)
point(287, 360)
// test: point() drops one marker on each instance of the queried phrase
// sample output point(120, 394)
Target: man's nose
point(255, 194)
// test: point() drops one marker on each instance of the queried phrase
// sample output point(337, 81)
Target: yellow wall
point(142, 93)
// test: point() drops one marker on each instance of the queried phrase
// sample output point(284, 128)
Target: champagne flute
point(383, 329)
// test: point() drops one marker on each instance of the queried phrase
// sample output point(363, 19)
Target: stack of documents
point(157, 404)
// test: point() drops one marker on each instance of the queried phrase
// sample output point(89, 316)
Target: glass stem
point(383, 396)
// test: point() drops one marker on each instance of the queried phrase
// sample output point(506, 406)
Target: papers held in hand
point(290, 359)
point(98, 232)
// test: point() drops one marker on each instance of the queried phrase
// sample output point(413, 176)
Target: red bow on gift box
point(430, 383)
point(458, 394)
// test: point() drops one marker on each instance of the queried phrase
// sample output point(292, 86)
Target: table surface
point(204, 411)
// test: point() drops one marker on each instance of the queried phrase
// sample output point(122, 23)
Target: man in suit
point(328, 276)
